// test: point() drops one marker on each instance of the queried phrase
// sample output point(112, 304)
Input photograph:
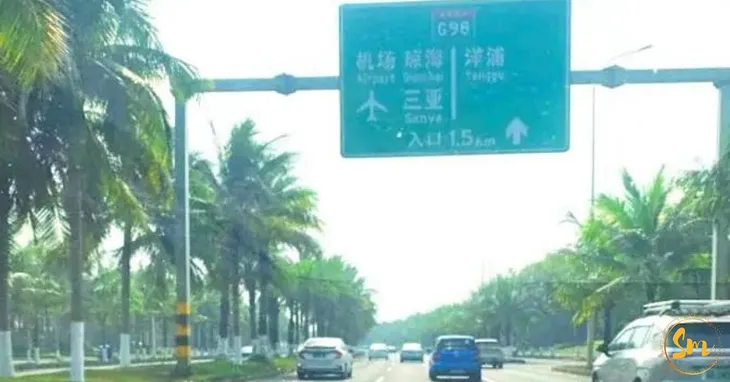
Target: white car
point(378, 351)
point(320, 356)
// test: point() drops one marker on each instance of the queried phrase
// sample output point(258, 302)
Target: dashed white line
point(380, 379)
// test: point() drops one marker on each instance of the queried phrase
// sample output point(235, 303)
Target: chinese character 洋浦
point(411, 100)
point(364, 61)
point(495, 56)
point(386, 60)
point(434, 98)
point(413, 59)
point(434, 58)
point(474, 56)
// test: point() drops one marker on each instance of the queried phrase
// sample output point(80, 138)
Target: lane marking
point(380, 379)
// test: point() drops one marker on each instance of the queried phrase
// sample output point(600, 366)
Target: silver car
point(656, 346)
point(320, 356)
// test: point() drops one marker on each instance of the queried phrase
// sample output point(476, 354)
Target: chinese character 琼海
point(495, 56)
point(411, 100)
point(434, 58)
point(364, 61)
point(434, 98)
point(413, 59)
point(386, 60)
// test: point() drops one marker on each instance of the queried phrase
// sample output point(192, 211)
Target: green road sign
point(454, 78)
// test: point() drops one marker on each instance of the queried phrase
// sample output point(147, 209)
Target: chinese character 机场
point(386, 60)
point(474, 56)
point(411, 100)
point(434, 58)
point(413, 59)
point(495, 56)
point(364, 61)
point(434, 99)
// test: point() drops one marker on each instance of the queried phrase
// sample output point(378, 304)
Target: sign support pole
point(286, 84)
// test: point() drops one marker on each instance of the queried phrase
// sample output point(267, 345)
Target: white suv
point(639, 352)
point(321, 356)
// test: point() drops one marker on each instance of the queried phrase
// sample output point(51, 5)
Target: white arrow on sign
point(516, 130)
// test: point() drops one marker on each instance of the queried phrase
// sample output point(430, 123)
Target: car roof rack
point(680, 307)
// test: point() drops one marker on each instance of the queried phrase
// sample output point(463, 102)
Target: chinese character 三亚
point(411, 100)
point(413, 59)
point(495, 56)
point(364, 61)
point(474, 56)
point(386, 60)
point(434, 58)
point(434, 98)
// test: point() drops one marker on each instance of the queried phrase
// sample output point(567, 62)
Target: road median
point(215, 371)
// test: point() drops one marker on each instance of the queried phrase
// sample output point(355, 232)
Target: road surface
point(394, 371)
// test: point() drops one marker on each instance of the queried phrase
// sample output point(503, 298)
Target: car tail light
point(338, 354)
point(301, 354)
point(476, 355)
point(436, 356)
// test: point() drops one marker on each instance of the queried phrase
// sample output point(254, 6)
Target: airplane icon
point(371, 105)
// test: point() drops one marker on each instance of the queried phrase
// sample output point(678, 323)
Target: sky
point(425, 231)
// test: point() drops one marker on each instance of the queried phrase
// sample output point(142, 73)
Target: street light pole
point(592, 321)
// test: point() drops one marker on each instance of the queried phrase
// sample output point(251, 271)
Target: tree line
point(651, 243)
point(87, 151)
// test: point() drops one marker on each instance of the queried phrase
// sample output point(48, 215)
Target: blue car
point(455, 355)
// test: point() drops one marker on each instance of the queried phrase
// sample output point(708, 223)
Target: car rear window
point(411, 347)
point(717, 334)
point(455, 343)
point(487, 345)
point(322, 343)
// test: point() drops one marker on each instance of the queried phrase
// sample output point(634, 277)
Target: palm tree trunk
point(251, 289)
point(274, 321)
point(6, 345)
point(74, 212)
point(607, 309)
point(36, 339)
point(153, 336)
point(224, 317)
point(124, 339)
point(263, 312)
point(291, 327)
point(236, 302)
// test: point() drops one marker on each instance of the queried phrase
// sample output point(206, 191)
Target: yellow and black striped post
point(182, 332)
point(183, 353)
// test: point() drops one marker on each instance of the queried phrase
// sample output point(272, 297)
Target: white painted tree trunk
point(29, 350)
point(36, 355)
point(264, 347)
point(222, 346)
point(153, 337)
point(125, 356)
point(6, 355)
point(77, 351)
point(237, 344)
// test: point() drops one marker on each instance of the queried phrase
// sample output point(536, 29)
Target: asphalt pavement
point(394, 371)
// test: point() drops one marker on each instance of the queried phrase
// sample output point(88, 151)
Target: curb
point(268, 375)
point(572, 369)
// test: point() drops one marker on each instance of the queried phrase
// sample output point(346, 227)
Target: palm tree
point(105, 97)
point(33, 48)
